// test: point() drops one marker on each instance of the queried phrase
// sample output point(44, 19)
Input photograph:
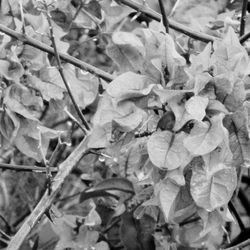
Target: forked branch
point(172, 24)
point(46, 201)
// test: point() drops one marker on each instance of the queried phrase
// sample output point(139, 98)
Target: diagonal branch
point(172, 24)
point(244, 37)
point(60, 69)
point(239, 246)
point(44, 47)
point(46, 201)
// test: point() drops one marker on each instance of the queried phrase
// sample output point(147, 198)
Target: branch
point(46, 201)
point(44, 47)
point(25, 168)
point(164, 16)
point(236, 215)
point(244, 37)
point(239, 246)
point(172, 24)
point(60, 69)
point(243, 17)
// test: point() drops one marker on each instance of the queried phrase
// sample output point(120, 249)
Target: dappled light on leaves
point(131, 137)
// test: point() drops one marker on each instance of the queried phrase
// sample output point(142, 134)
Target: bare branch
point(25, 168)
point(46, 201)
point(244, 37)
point(164, 16)
point(243, 17)
point(44, 47)
point(60, 69)
point(239, 246)
point(172, 24)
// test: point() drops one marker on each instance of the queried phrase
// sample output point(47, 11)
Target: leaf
point(86, 238)
point(36, 58)
point(100, 137)
point(200, 63)
point(150, 41)
point(114, 14)
point(230, 56)
point(63, 226)
point(166, 150)
point(11, 69)
point(120, 184)
point(131, 157)
point(9, 125)
point(200, 81)
point(215, 107)
point(212, 183)
point(235, 100)
point(102, 245)
point(146, 231)
point(167, 121)
point(170, 57)
point(196, 106)
point(84, 86)
point(48, 90)
point(204, 138)
point(31, 138)
point(23, 101)
point(123, 38)
point(167, 94)
point(241, 140)
point(125, 116)
point(93, 218)
point(85, 195)
point(127, 51)
point(186, 110)
point(130, 85)
point(130, 120)
point(128, 231)
point(166, 192)
point(211, 221)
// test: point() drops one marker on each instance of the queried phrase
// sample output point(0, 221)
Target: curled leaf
point(204, 137)
point(212, 183)
point(166, 150)
point(167, 192)
point(120, 184)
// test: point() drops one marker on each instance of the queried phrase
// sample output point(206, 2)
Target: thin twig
point(25, 168)
point(75, 120)
point(4, 241)
point(237, 216)
point(47, 167)
point(46, 201)
point(164, 16)
point(172, 24)
point(60, 69)
point(22, 16)
point(240, 245)
point(4, 234)
point(94, 19)
point(67, 58)
point(7, 225)
point(76, 14)
point(243, 17)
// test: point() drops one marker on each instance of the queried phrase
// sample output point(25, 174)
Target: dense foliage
point(164, 126)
